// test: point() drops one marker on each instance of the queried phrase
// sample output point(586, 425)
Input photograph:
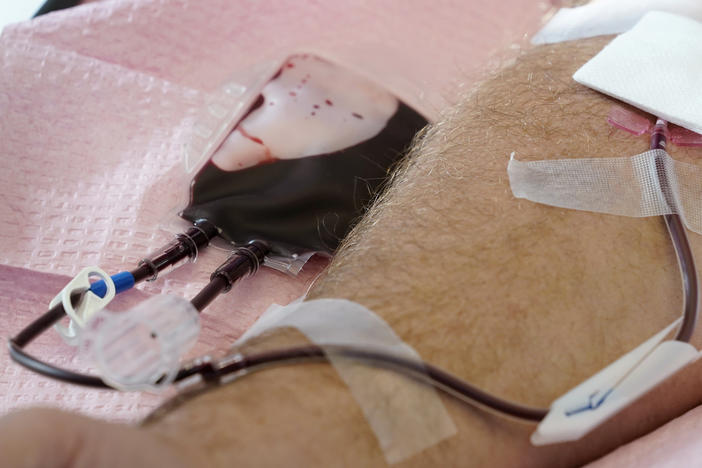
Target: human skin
point(522, 300)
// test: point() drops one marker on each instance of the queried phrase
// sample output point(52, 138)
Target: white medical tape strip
point(602, 17)
point(613, 388)
point(405, 415)
point(655, 66)
point(629, 186)
point(648, 184)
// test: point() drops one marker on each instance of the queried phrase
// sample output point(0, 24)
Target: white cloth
point(602, 17)
point(656, 66)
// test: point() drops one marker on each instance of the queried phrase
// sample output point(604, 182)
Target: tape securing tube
point(648, 184)
point(628, 186)
point(406, 416)
point(603, 395)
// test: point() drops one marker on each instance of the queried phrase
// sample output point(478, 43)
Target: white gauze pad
point(601, 17)
point(620, 186)
point(655, 66)
point(405, 415)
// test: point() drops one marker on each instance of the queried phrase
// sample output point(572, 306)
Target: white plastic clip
point(141, 348)
point(90, 304)
point(592, 402)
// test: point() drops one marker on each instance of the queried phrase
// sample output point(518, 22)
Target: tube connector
point(185, 246)
point(243, 261)
point(141, 349)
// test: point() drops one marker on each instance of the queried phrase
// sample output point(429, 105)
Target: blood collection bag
point(305, 160)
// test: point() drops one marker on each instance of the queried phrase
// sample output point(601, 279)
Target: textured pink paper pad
point(419, 49)
point(99, 102)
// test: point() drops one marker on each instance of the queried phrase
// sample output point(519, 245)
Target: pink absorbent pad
point(108, 109)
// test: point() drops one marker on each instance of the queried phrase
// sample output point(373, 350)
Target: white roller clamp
point(90, 304)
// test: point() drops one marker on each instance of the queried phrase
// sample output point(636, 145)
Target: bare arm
point(521, 299)
point(524, 300)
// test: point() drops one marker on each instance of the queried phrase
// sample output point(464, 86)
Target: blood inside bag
point(302, 165)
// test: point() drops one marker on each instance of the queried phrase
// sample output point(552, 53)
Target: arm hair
point(521, 299)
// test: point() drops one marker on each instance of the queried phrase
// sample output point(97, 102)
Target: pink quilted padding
point(419, 49)
point(101, 104)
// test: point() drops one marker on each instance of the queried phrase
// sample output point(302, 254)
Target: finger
point(44, 438)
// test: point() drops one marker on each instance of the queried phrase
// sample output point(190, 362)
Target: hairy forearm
point(520, 299)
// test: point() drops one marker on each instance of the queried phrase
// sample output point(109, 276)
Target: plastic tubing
point(681, 244)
